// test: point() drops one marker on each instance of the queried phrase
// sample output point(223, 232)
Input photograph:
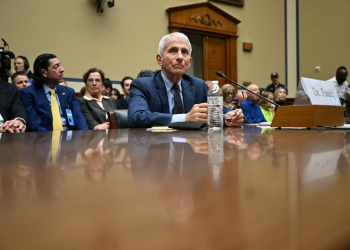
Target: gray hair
point(162, 43)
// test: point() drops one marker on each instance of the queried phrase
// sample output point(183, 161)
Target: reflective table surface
point(247, 188)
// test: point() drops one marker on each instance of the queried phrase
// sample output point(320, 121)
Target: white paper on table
point(320, 92)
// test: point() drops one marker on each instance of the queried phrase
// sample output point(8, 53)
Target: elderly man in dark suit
point(50, 106)
point(12, 114)
point(169, 95)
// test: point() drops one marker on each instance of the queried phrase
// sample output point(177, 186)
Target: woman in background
point(228, 94)
point(280, 96)
point(94, 105)
point(267, 108)
point(115, 94)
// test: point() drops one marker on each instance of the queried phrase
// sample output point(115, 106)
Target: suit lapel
point(42, 96)
point(187, 95)
point(161, 91)
point(62, 96)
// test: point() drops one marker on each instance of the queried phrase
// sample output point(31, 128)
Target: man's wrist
point(20, 119)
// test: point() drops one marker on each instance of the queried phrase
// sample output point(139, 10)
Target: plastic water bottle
point(215, 103)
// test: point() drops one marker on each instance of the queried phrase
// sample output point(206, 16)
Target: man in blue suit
point(155, 100)
point(36, 98)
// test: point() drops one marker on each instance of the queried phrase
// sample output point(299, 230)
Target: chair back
point(118, 119)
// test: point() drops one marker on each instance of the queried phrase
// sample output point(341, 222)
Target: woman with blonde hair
point(267, 108)
point(229, 93)
point(280, 96)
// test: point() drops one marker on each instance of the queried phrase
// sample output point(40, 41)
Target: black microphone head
point(219, 73)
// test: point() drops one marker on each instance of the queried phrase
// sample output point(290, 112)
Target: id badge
point(70, 117)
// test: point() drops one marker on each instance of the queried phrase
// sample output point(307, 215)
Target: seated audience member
point(63, 83)
point(22, 65)
point(94, 105)
point(124, 102)
point(340, 83)
point(241, 98)
point(144, 73)
point(275, 79)
point(267, 109)
point(115, 94)
point(250, 107)
point(169, 95)
point(228, 92)
point(50, 106)
point(82, 92)
point(20, 80)
point(107, 87)
point(12, 114)
point(280, 96)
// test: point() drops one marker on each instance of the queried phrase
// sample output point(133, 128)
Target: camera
point(5, 62)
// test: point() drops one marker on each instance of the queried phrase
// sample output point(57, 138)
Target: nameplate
point(320, 92)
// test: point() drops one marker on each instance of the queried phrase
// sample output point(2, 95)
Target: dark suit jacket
point(10, 103)
point(93, 113)
point(123, 103)
point(38, 108)
point(149, 104)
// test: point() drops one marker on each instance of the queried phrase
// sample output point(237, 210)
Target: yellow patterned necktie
point(56, 116)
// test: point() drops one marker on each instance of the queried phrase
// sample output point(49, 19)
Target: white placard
point(321, 165)
point(320, 92)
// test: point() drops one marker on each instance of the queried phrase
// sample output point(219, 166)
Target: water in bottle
point(215, 103)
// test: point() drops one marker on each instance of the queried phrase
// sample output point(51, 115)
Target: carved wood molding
point(205, 19)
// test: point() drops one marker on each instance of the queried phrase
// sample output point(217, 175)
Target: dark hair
point(341, 68)
point(124, 79)
point(144, 73)
point(20, 73)
point(41, 62)
point(108, 84)
point(93, 70)
point(116, 91)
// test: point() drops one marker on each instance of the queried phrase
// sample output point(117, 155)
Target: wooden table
point(132, 189)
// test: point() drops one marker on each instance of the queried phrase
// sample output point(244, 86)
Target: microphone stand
point(222, 75)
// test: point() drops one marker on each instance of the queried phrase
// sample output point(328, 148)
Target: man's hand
point(236, 118)
point(198, 113)
point(14, 126)
point(102, 126)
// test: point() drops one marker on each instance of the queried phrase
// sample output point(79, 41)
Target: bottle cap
point(215, 82)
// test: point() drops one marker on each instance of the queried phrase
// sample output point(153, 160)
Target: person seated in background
point(82, 92)
point(12, 114)
point(267, 109)
point(21, 64)
point(169, 95)
point(63, 83)
point(241, 98)
point(50, 106)
point(228, 92)
point(144, 73)
point(94, 105)
point(280, 96)
point(250, 107)
point(20, 80)
point(124, 102)
point(275, 79)
point(107, 87)
point(340, 83)
point(115, 94)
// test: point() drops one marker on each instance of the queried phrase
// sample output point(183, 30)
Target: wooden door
point(214, 58)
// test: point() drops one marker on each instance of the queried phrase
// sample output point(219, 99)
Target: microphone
point(223, 76)
point(8, 53)
point(5, 43)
